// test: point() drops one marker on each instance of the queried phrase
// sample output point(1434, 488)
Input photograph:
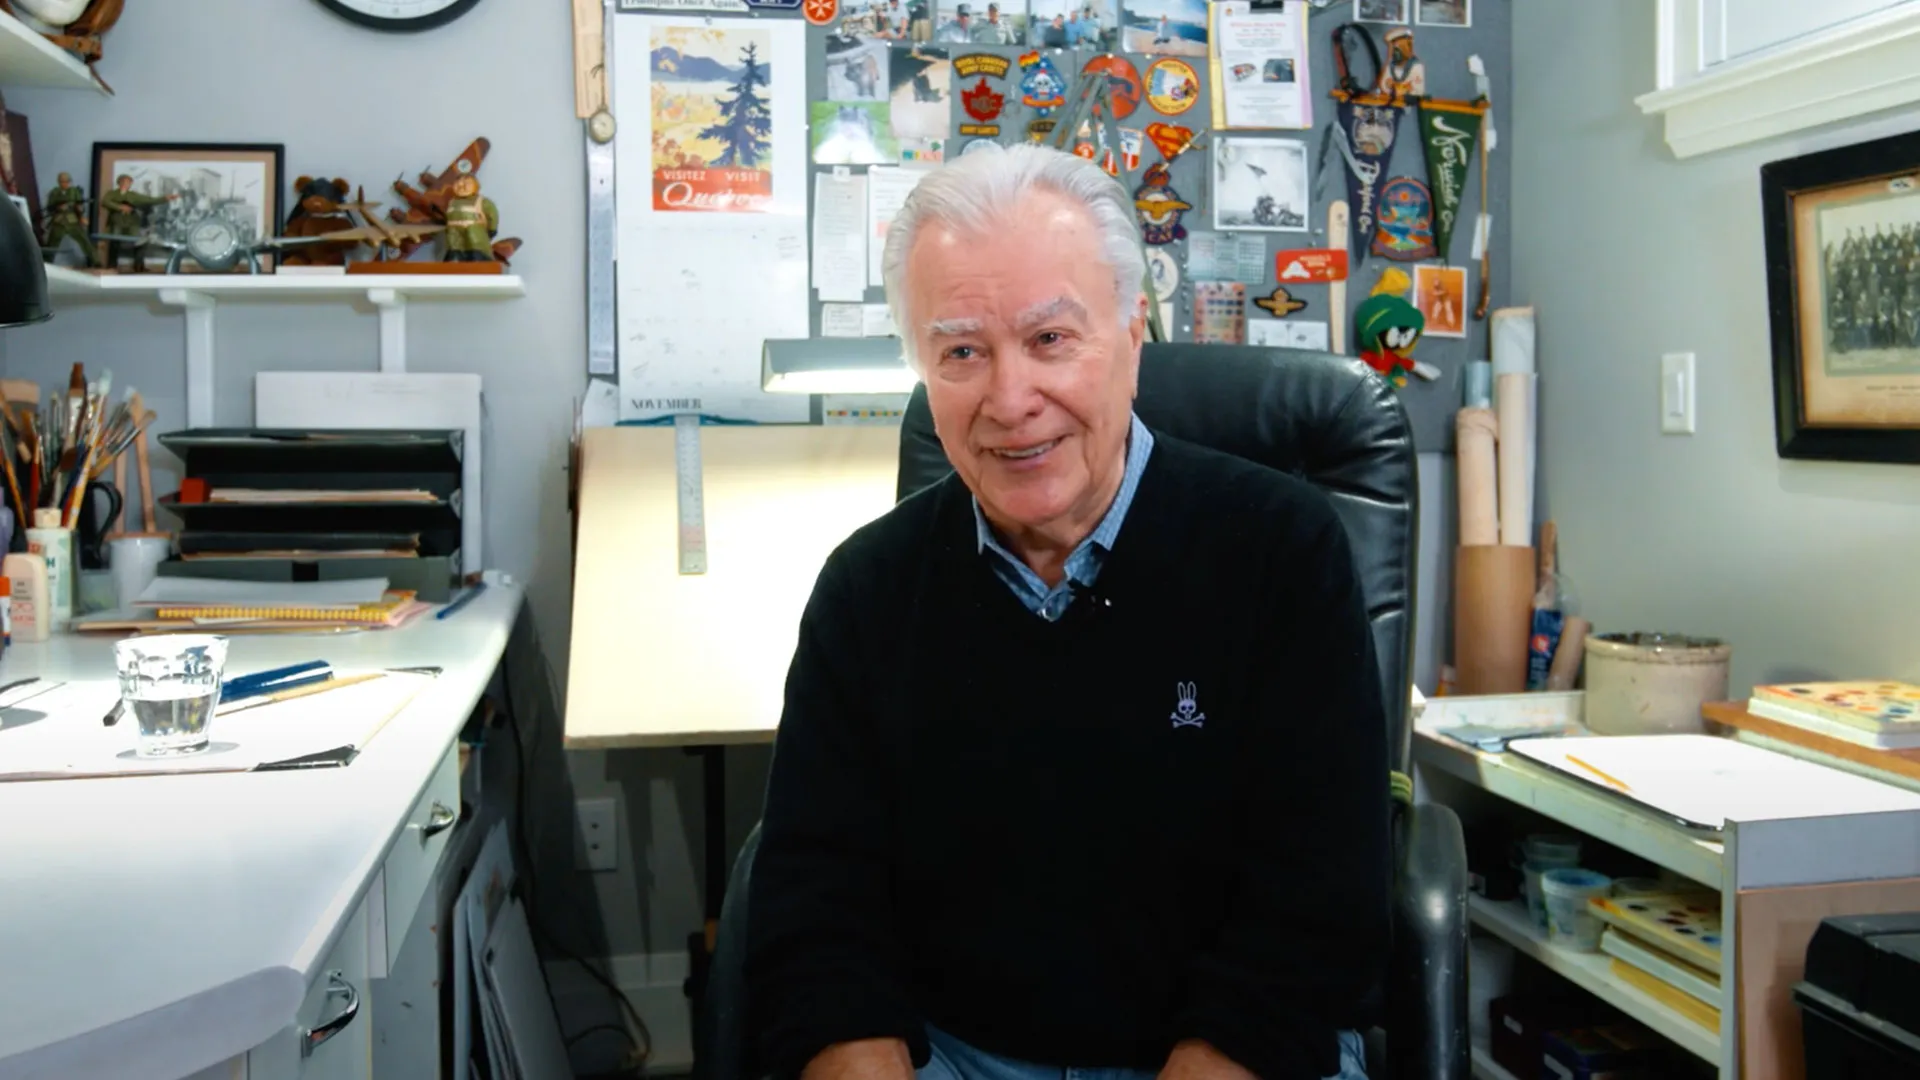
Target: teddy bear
point(316, 212)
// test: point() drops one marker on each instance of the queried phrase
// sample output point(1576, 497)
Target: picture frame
point(1393, 12)
point(242, 182)
point(1842, 232)
point(1453, 14)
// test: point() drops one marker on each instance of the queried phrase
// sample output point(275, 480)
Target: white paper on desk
point(1708, 780)
point(887, 189)
point(842, 320)
point(69, 741)
point(840, 235)
point(1261, 66)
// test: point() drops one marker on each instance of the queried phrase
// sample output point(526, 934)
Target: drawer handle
point(438, 821)
point(311, 1038)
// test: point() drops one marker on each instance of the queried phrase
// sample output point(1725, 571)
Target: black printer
point(1860, 1000)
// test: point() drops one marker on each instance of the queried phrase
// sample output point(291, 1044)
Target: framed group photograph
point(167, 189)
point(1843, 300)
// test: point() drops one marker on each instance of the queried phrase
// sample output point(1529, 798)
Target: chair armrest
point(1427, 1023)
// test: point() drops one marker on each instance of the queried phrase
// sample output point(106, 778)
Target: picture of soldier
point(968, 22)
point(125, 214)
point(882, 20)
point(857, 69)
point(1870, 284)
point(1073, 24)
point(146, 193)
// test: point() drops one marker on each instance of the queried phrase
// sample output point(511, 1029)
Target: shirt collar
point(1139, 446)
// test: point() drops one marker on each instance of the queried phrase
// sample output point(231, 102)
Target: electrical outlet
point(599, 834)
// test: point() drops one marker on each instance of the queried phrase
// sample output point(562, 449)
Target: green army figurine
point(472, 223)
point(123, 206)
point(67, 217)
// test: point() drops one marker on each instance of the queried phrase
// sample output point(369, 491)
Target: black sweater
point(1162, 817)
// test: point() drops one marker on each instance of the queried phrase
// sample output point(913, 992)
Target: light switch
point(1677, 392)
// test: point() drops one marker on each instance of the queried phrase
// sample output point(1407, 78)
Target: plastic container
point(1653, 683)
point(1570, 922)
point(1537, 854)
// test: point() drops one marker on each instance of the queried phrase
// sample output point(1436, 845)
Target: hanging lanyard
point(1347, 87)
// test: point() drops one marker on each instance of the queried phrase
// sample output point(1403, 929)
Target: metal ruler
point(600, 223)
point(693, 509)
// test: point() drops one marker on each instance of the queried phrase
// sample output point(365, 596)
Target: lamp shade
point(836, 365)
point(23, 277)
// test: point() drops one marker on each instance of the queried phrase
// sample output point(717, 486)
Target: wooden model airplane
point(82, 35)
point(427, 204)
point(380, 235)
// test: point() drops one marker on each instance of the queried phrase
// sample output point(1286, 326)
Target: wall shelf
point(1592, 972)
point(28, 59)
point(198, 297)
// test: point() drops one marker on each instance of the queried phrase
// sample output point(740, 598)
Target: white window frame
point(1862, 66)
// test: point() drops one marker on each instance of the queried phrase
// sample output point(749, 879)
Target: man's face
point(1030, 371)
point(65, 179)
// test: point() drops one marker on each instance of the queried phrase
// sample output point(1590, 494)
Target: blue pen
point(465, 598)
point(277, 679)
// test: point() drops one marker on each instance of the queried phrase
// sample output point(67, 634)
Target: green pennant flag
point(1448, 129)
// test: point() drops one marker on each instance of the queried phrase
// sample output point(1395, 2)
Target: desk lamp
point(23, 277)
point(849, 365)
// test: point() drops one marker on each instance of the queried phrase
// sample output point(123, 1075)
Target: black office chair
point(1329, 420)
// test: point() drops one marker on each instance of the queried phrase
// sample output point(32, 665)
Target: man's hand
point(1193, 1059)
point(862, 1059)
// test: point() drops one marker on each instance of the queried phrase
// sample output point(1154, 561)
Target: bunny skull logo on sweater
point(1186, 712)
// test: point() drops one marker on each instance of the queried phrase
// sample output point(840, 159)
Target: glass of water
point(170, 683)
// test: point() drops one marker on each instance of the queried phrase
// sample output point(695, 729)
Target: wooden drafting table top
point(659, 658)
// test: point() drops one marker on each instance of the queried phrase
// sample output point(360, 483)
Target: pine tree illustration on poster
point(745, 123)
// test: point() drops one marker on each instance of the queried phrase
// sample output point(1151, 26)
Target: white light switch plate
point(1677, 394)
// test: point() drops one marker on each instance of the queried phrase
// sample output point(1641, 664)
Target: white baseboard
point(654, 982)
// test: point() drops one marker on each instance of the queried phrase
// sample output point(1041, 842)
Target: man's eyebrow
point(953, 327)
point(1047, 310)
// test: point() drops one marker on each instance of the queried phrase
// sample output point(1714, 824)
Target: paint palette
point(1686, 924)
point(1876, 706)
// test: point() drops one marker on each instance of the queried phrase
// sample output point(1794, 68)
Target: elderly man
point(1083, 763)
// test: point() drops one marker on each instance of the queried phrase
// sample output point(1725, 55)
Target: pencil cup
point(1492, 617)
point(170, 683)
point(135, 560)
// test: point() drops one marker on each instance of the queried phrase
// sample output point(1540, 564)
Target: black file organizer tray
point(323, 460)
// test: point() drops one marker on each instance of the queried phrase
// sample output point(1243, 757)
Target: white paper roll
point(1474, 434)
point(1512, 340)
point(1513, 409)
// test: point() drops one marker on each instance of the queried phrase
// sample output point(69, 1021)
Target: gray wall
point(1628, 253)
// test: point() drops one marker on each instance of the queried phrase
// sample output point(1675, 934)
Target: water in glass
point(170, 683)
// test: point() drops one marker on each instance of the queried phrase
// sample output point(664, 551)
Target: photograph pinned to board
point(1166, 27)
point(974, 22)
point(1381, 11)
point(1260, 184)
point(853, 133)
point(1073, 24)
point(881, 20)
point(1453, 13)
point(1219, 313)
point(856, 69)
point(921, 100)
point(1440, 293)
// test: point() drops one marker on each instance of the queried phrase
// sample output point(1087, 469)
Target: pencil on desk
point(1612, 781)
point(297, 692)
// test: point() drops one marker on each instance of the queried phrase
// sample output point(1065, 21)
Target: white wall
point(1805, 567)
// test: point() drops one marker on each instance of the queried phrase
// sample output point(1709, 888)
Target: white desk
point(152, 927)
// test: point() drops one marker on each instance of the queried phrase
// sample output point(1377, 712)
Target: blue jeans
point(955, 1060)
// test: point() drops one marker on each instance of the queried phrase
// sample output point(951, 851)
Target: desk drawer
point(332, 1033)
point(416, 853)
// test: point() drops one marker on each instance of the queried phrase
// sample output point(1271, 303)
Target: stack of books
point(217, 605)
point(1880, 714)
point(1668, 946)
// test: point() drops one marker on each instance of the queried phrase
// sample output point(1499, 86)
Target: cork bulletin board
point(857, 83)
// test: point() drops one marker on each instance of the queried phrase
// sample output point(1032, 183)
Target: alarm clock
point(400, 15)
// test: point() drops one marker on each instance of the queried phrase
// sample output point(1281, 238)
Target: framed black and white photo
point(177, 186)
point(1260, 184)
point(1381, 11)
point(1843, 299)
point(1453, 13)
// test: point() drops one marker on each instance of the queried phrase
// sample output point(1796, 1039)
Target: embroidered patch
point(1123, 82)
point(1172, 87)
point(1041, 89)
point(983, 102)
point(1160, 207)
point(981, 64)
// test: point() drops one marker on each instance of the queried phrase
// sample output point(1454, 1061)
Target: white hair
point(970, 192)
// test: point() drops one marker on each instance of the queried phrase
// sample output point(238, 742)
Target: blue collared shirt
point(1083, 564)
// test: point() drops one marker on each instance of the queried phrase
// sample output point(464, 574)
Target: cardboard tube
point(1474, 434)
point(1513, 411)
point(1566, 656)
point(1492, 617)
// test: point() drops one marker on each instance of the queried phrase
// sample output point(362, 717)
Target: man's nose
point(1012, 394)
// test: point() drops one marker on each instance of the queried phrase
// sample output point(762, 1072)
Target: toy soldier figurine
point(472, 222)
point(124, 218)
point(67, 217)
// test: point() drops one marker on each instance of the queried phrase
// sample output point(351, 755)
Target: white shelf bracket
point(197, 308)
point(393, 328)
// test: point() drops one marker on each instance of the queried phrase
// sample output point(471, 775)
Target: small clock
point(400, 15)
